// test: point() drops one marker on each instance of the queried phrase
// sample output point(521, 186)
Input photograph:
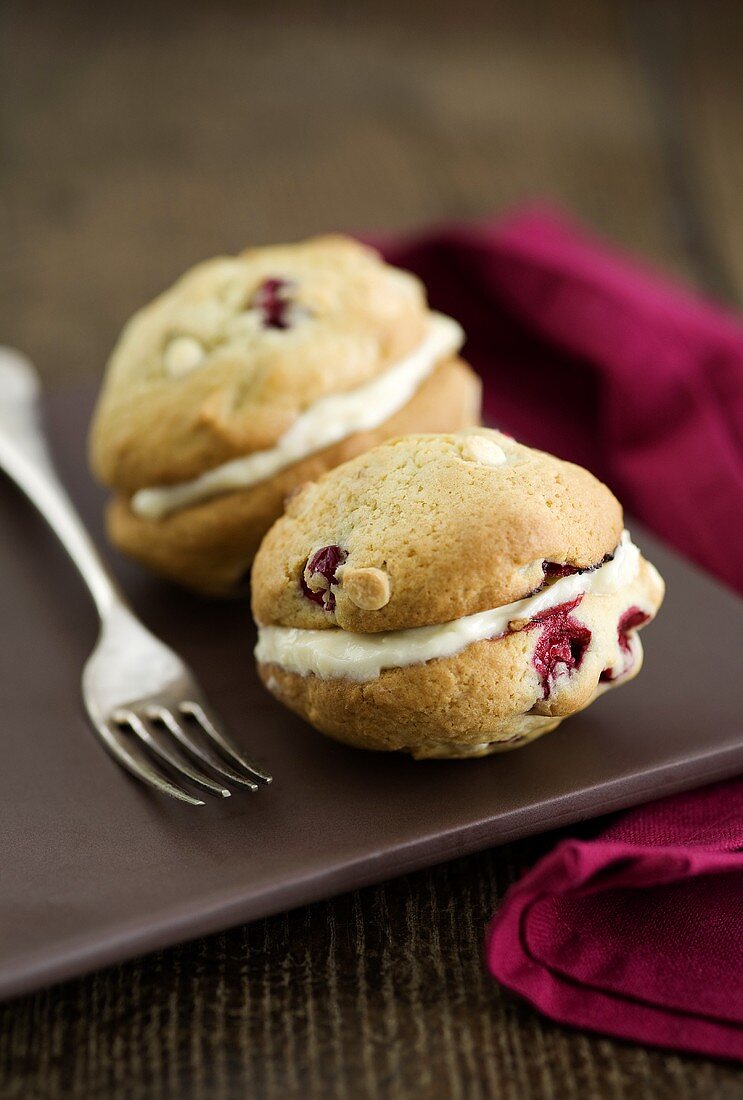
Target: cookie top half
point(425, 529)
point(224, 362)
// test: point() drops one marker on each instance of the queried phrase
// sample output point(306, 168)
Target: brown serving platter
point(96, 868)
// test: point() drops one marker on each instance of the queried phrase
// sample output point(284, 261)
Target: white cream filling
point(325, 422)
point(341, 654)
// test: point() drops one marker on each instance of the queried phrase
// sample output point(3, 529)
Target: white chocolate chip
point(483, 451)
point(182, 355)
point(368, 588)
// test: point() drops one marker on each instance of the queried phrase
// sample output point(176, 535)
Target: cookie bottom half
point(493, 695)
point(210, 546)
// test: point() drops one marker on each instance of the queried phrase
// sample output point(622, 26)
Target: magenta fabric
point(638, 932)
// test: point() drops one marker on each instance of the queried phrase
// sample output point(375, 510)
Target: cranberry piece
point(552, 570)
point(562, 643)
point(272, 300)
point(630, 620)
point(323, 565)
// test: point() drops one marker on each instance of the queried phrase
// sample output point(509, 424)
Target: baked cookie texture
point(227, 362)
point(521, 554)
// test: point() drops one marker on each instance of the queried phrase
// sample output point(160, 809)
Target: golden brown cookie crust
point(459, 523)
point(198, 378)
point(210, 546)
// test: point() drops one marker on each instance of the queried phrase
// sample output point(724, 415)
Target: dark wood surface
point(140, 138)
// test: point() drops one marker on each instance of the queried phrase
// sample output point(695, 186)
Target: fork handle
point(25, 458)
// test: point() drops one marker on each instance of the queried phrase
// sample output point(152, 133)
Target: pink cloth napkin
point(638, 932)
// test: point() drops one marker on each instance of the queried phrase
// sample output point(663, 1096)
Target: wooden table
point(141, 138)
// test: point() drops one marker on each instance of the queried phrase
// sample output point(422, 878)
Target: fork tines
point(186, 743)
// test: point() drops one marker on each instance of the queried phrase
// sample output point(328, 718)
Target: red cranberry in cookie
point(273, 301)
point(320, 573)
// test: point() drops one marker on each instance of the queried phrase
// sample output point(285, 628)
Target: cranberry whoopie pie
point(253, 374)
point(449, 595)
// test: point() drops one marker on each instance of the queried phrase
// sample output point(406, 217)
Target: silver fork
point(142, 700)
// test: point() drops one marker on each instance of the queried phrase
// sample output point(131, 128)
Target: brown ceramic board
point(95, 868)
